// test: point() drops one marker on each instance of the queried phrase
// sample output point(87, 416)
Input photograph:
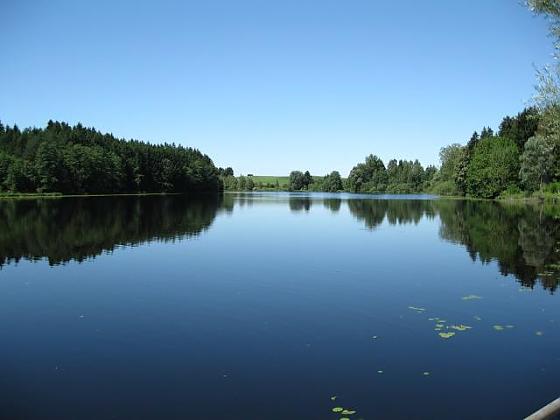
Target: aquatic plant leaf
point(498, 328)
point(461, 327)
point(477, 318)
point(446, 335)
point(414, 308)
point(439, 325)
point(333, 398)
point(337, 410)
point(349, 412)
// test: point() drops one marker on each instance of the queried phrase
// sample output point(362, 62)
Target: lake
point(277, 306)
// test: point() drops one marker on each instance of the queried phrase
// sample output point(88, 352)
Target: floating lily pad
point(471, 297)
point(439, 325)
point(498, 328)
point(446, 335)
point(344, 418)
point(461, 327)
point(333, 398)
point(349, 412)
point(337, 410)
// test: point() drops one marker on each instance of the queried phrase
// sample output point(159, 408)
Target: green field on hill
point(282, 180)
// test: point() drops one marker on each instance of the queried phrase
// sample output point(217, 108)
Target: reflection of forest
point(523, 239)
point(76, 229)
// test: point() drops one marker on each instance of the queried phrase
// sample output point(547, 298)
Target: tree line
point(76, 160)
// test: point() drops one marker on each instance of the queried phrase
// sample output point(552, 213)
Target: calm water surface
point(267, 306)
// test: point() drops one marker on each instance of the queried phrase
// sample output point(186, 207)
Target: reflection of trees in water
point(373, 212)
point(299, 203)
point(76, 229)
point(333, 204)
point(524, 240)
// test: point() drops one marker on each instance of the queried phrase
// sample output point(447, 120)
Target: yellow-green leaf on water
point(539, 333)
point(437, 329)
point(498, 328)
point(414, 308)
point(344, 418)
point(349, 412)
point(337, 410)
point(439, 325)
point(333, 398)
point(461, 327)
point(471, 297)
point(446, 334)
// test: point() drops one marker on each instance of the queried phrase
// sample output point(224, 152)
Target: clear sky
point(271, 86)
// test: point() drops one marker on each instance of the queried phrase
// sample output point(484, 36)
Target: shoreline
point(548, 199)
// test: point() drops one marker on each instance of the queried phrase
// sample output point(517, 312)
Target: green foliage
point(73, 160)
point(493, 167)
point(399, 177)
point(444, 181)
point(537, 162)
point(332, 182)
point(521, 127)
point(370, 176)
point(297, 180)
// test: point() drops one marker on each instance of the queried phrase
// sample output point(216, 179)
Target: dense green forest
point(77, 160)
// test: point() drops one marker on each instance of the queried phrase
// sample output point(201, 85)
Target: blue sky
point(268, 87)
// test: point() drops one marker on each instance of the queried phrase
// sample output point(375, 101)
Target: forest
point(79, 160)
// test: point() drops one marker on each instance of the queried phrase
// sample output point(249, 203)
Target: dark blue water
point(265, 306)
